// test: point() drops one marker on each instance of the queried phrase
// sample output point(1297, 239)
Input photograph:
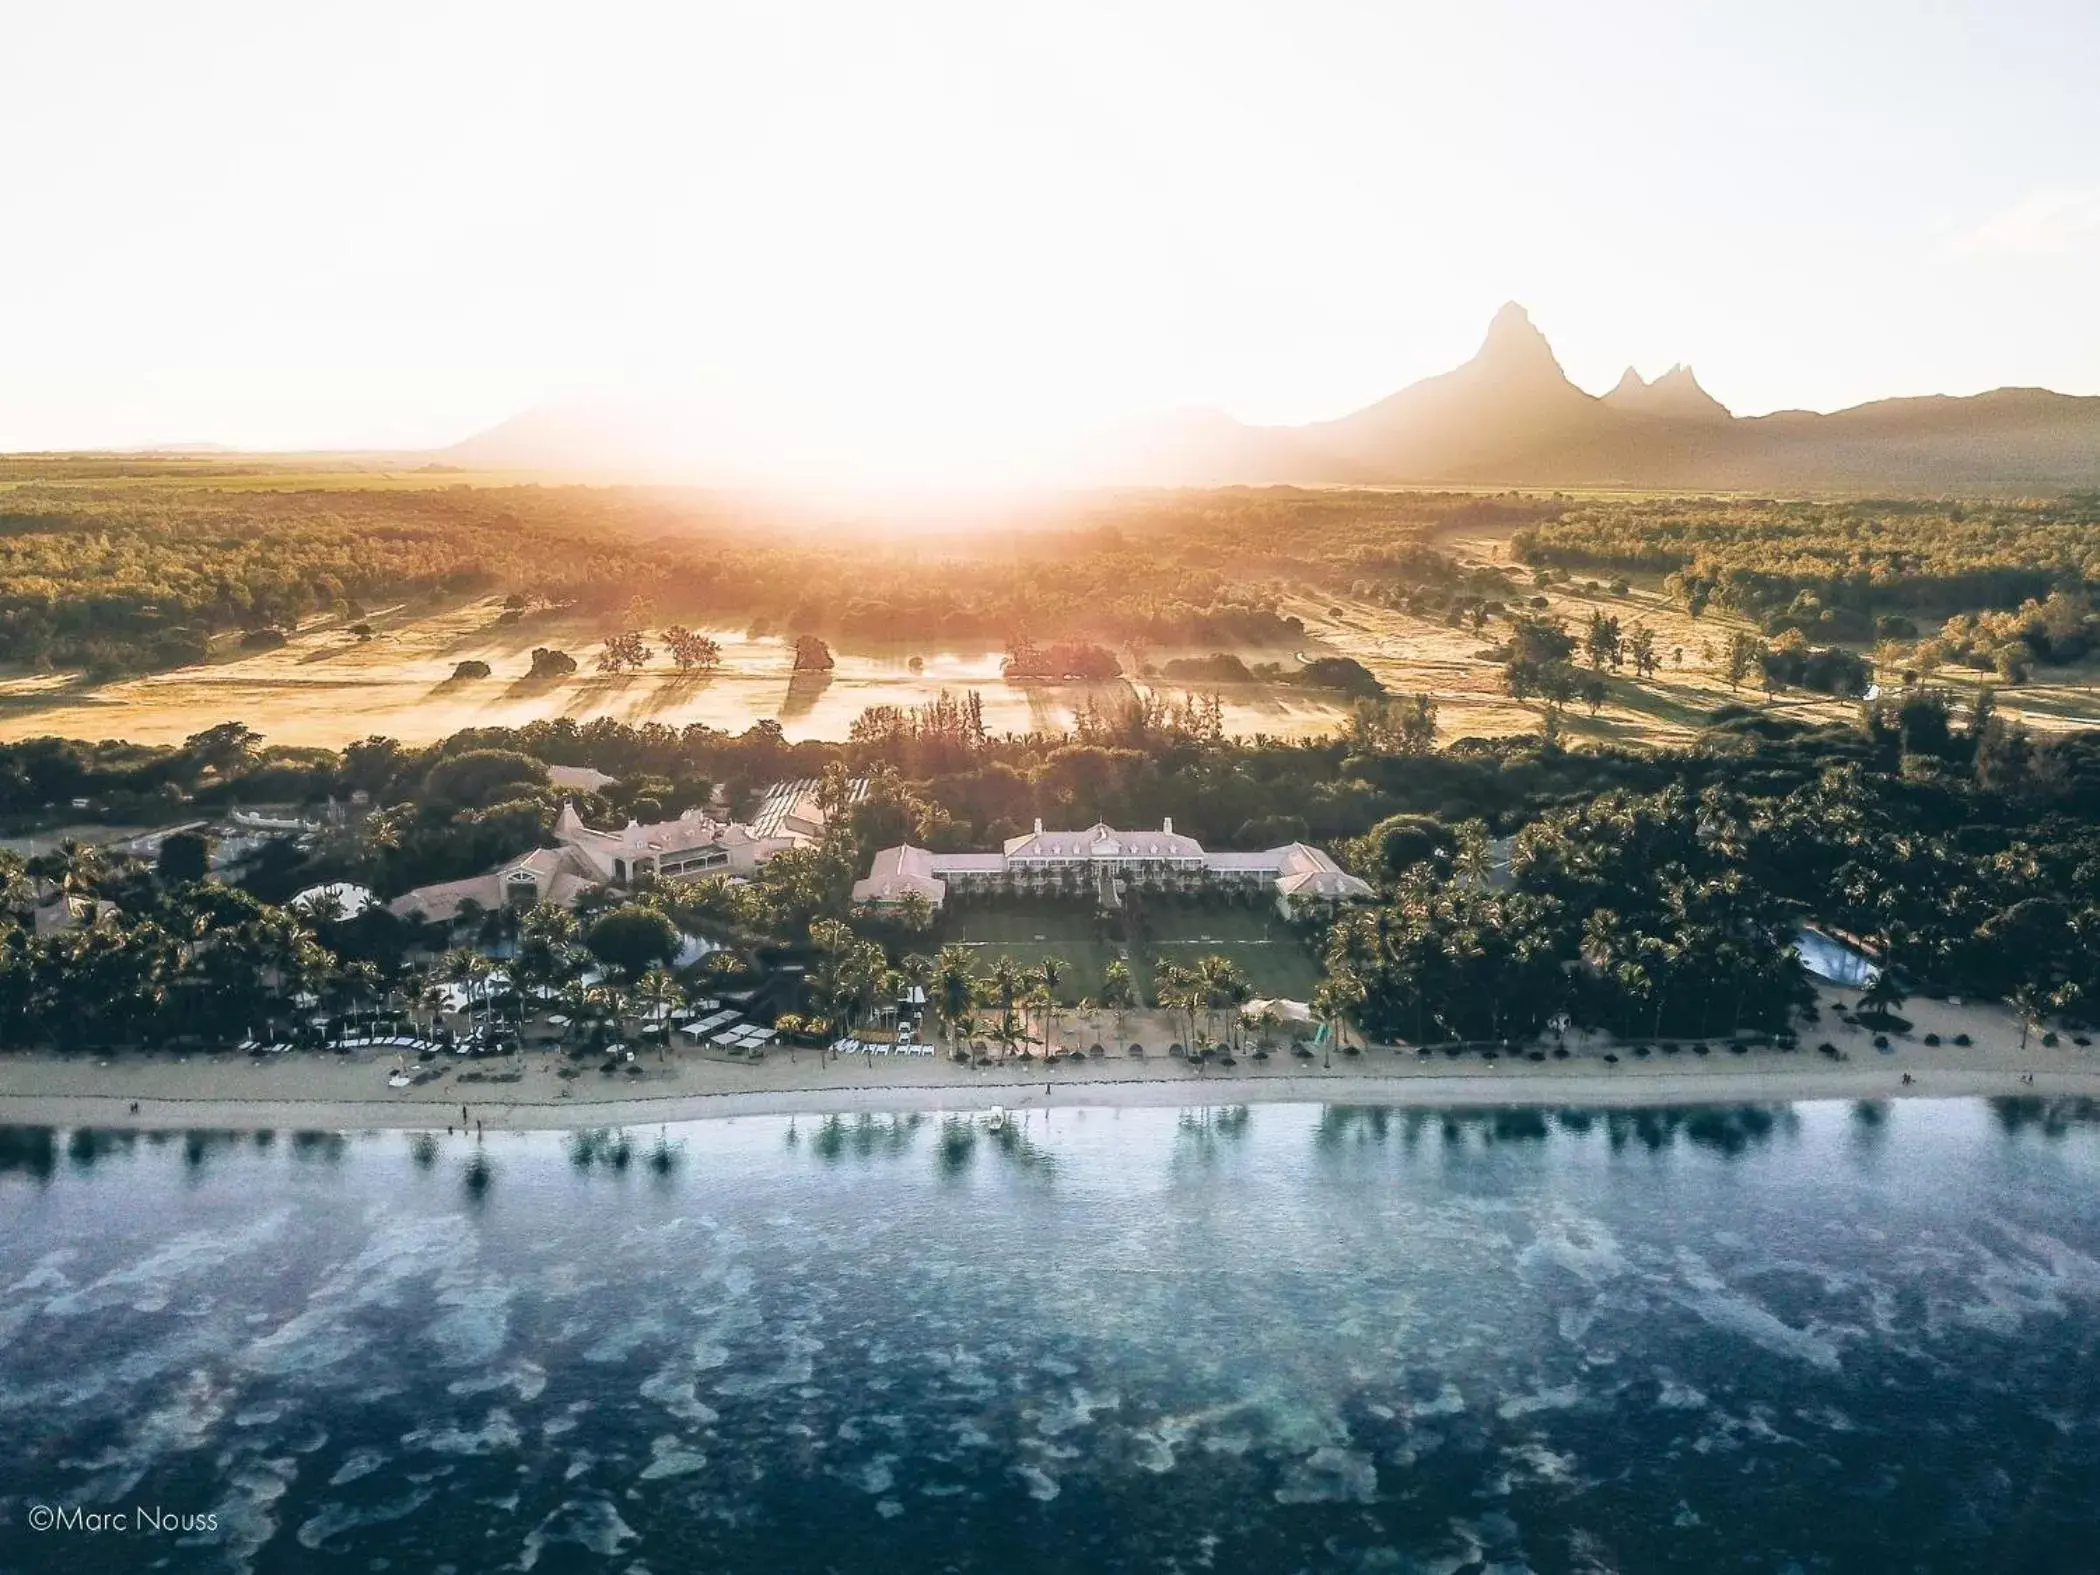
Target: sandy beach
point(349, 1091)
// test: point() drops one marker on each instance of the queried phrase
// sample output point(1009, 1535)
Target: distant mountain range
point(1508, 417)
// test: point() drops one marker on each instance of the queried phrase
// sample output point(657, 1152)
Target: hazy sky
point(888, 226)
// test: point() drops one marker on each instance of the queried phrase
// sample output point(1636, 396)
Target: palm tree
point(1176, 989)
point(1116, 994)
point(660, 990)
point(914, 912)
point(1475, 860)
point(954, 989)
point(463, 965)
point(1884, 995)
point(1006, 986)
point(1224, 988)
point(1006, 1035)
point(1049, 974)
point(2031, 1002)
point(1038, 1001)
point(1337, 996)
point(918, 970)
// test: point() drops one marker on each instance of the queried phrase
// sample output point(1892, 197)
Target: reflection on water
point(1846, 1337)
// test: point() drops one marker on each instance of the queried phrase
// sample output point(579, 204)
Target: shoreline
point(346, 1091)
point(1583, 1087)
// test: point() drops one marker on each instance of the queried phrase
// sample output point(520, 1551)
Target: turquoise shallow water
point(1287, 1338)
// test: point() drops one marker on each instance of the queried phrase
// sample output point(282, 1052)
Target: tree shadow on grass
point(804, 690)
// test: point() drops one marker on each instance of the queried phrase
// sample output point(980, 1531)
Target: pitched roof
point(898, 870)
point(561, 875)
point(1103, 841)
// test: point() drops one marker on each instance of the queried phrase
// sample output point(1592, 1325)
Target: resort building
point(794, 809)
point(557, 875)
point(693, 845)
point(1109, 863)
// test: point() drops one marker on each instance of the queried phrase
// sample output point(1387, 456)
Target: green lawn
point(1266, 949)
point(1029, 931)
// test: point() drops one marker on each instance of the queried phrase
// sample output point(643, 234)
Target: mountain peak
point(1512, 336)
point(1516, 361)
point(1675, 394)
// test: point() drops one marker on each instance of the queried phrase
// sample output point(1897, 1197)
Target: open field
point(327, 687)
point(126, 563)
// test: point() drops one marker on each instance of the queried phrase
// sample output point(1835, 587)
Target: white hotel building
point(1109, 862)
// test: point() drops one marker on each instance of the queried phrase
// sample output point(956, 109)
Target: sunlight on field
point(327, 688)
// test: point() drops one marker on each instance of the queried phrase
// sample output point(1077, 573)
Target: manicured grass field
point(1268, 951)
point(1029, 931)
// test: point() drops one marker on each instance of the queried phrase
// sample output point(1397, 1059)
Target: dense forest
point(2010, 582)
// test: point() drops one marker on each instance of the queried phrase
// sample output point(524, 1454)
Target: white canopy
point(1285, 1011)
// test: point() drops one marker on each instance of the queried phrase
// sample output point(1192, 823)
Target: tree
point(185, 857)
point(1745, 654)
point(1116, 993)
point(1049, 974)
point(1640, 645)
point(1223, 987)
point(1414, 728)
point(1602, 642)
point(954, 989)
point(550, 663)
point(229, 748)
point(659, 990)
point(1884, 996)
point(1006, 986)
point(624, 653)
point(466, 967)
point(481, 778)
point(630, 938)
point(2031, 1002)
point(690, 652)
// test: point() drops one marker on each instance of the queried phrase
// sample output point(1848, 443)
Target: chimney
point(1039, 825)
point(1167, 825)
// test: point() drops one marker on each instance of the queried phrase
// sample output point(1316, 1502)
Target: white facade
point(1101, 857)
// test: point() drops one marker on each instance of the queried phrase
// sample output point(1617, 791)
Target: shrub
point(550, 663)
point(470, 669)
